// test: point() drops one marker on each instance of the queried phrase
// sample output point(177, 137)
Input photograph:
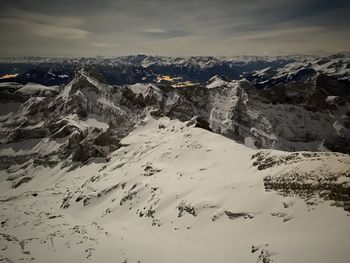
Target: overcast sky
point(174, 28)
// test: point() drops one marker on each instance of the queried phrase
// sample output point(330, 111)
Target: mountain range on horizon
point(142, 69)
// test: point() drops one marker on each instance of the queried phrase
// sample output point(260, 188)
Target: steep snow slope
point(177, 193)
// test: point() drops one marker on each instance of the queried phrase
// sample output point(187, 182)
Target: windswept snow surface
point(173, 193)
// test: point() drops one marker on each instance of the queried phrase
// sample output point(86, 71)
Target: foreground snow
point(173, 193)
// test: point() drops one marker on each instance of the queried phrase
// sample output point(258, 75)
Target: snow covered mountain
point(262, 71)
point(94, 172)
point(304, 69)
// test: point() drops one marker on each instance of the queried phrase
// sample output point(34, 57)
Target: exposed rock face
point(294, 116)
point(86, 119)
point(303, 180)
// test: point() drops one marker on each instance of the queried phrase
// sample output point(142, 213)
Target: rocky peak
point(87, 119)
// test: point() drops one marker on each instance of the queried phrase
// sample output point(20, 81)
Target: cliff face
point(86, 119)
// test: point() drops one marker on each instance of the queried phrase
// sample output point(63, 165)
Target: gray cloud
point(43, 25)
point(164, 34)
point(197, 27)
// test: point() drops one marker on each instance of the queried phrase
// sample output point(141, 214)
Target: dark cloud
point(211, 27)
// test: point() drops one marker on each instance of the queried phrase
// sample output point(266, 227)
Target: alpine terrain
point(150, 159)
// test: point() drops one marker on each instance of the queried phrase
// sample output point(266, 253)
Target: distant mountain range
point(261, 71)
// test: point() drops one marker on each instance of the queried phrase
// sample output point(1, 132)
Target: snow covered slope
point(177, 193)
point(91, 172)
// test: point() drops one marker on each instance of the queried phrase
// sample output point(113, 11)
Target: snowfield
point(175, 193)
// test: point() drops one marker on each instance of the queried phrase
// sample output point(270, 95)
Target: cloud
point(46, 30)
point(35, 17)
point(44, 25)
point(202, 27)
point(155, 31)
point(164, 34)
point(105, 45)
point(290, 33)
